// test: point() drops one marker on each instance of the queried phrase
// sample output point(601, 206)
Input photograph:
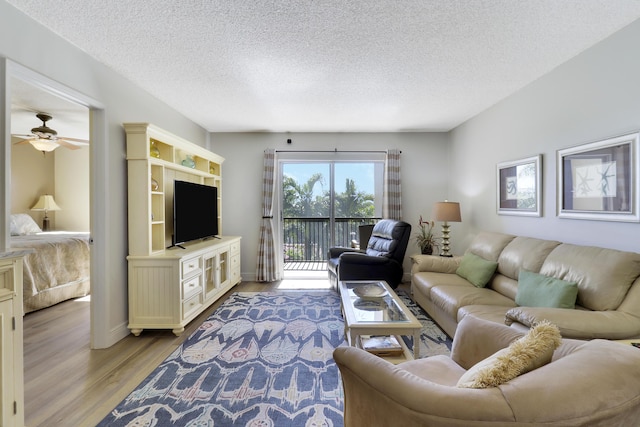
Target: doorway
point(101, 335)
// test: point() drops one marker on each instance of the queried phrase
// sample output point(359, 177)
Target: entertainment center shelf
point(155, 158)
point(169, 286)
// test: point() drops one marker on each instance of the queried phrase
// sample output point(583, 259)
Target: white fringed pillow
point(530, 352)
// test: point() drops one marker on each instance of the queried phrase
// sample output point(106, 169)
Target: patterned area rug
point(261, 359)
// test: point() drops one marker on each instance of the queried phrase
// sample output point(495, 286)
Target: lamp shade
point(447, 212)
point(45, 203)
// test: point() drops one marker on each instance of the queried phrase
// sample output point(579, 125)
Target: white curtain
point(267, 270)
point(392, 207)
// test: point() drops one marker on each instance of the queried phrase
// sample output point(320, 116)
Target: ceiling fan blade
point(66, 143)
point(24, 141)
point(22, 136)
point(78, 140)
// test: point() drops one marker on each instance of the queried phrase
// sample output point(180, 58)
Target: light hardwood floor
point(68, 384)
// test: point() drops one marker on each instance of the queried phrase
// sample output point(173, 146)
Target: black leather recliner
point(381, 260)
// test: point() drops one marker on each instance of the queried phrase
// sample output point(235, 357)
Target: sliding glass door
point(357, 199)
point(322, 204)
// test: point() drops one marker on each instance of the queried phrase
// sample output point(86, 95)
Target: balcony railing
point(308, 239)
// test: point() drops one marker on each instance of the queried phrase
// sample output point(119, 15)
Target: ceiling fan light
point(44, 144)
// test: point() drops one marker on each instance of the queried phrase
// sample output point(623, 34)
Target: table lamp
point(45, 203)
point(447, 212)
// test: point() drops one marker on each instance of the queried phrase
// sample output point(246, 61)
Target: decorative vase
point(154, 184)
point(154, 151)
point(189, 162)
point(427, 250)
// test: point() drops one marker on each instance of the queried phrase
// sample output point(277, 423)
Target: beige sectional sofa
point(608, 286)
point(568, 391)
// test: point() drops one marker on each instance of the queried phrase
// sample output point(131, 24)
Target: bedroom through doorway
point(50, 199)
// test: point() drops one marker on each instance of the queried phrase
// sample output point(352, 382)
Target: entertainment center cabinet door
point(154, 294)
point(216, 271)
point(234, 262)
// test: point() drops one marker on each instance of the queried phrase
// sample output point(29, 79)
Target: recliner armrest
point(362, 258)
point(337, 251)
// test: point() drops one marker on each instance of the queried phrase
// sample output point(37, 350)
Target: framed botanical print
point(519, 187)
point(599, 180)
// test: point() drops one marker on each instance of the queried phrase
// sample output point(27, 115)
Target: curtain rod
point(332, 151)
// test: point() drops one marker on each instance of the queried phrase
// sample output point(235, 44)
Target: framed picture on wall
point(599, 180)
point(520, 187)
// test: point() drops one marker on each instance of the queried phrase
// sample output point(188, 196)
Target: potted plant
point(425, 239)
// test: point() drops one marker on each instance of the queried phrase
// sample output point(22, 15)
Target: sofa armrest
point(337, 251)
point(579, 324)
point(476, 339)
point(434, 263)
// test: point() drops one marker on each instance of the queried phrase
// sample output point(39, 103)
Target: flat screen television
point(195, 211)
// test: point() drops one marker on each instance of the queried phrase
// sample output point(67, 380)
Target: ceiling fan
point(45, 139)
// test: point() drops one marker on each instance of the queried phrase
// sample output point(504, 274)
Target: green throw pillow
point(475, 269)
point(536, 290)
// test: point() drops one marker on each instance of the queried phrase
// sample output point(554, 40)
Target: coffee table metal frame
point(357, 323)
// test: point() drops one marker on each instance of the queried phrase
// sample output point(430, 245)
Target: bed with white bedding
point(58, 269)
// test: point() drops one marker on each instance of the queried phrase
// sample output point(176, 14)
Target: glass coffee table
point(371, 308)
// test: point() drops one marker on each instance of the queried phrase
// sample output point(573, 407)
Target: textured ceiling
point(332, 65)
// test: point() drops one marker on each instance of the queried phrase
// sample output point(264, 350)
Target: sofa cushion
point(604, 276)
point(536, 290)
point(425, 281)
point(451, 298)
point(530, 352)
point(504, 285)
point(438, 369)
point(476, 270)
point(525, 253)
point(489, 245)
point(492, 313)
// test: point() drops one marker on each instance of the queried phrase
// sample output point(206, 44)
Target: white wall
point(423, 162)
point(122, 102)
point(72, 175)
point(591, 97)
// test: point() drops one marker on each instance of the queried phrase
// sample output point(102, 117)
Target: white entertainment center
point(170, 285)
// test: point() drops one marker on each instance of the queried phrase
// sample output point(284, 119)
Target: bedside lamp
point(447, 212)
point(45, 203)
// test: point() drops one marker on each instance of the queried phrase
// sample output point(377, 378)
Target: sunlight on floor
point(83, 299)
point(305, 280)
point(308, 284)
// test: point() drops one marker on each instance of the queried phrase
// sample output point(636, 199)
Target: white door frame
point(99, 184)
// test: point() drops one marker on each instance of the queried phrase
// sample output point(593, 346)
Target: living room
point(590, 97)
